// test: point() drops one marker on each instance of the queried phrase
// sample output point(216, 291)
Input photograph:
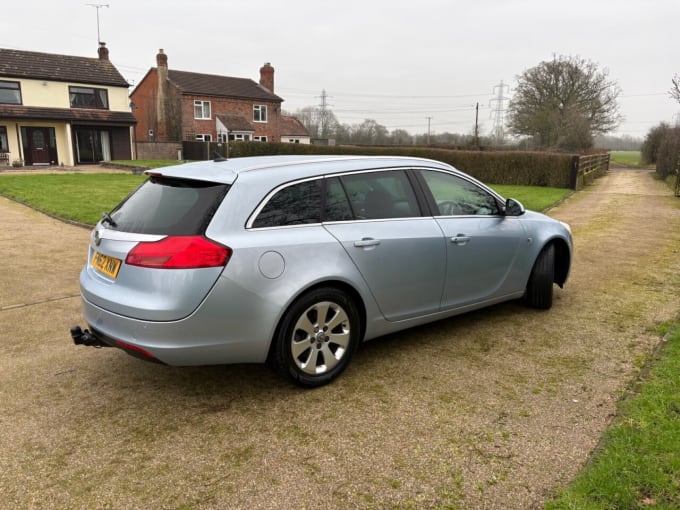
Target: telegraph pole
point(428, 129)
point(98, 6)
point(477, 124)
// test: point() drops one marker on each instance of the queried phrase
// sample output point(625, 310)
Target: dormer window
point(88, 97)
point(10, 92)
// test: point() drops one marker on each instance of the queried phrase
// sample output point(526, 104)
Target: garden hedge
point(495, 167)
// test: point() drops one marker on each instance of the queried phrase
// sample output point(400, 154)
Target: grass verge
point(536, 198)
point(83, 197)
point(638, 465)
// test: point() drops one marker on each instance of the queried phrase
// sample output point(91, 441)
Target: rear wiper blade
point(106, 218)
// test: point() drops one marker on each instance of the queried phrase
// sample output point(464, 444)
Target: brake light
point(179, 252)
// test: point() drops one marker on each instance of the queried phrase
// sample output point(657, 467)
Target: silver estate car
point(295, 260)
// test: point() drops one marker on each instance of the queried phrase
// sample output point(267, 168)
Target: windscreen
point(169, 206)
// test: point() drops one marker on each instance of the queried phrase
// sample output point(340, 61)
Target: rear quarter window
point(169, 206)
point(296, 204)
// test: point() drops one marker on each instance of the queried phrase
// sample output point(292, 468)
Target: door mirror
point(513, 207)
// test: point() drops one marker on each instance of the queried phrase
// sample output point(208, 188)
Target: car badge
point(97, 239)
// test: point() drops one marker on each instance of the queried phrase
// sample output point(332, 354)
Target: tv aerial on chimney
point(98, 6)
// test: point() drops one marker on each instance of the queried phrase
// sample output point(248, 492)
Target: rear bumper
point(98, 339)
point(209, 336)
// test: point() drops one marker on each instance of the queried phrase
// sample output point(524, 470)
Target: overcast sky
point(398, 62)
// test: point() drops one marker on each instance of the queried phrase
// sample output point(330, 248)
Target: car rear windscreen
point(169, 206)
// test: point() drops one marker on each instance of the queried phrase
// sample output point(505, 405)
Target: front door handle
point(460, 239)
point(367, 242)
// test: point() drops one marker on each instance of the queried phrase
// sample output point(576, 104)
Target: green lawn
point(639, 463)
point(83, 197)
point(76, 197)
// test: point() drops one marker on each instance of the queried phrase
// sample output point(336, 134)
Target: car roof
point(286, 168)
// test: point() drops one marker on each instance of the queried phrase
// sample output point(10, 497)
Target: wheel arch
point(345, 287)
point(562, 260)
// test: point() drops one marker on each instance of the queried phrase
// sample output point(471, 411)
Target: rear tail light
point(179, 252)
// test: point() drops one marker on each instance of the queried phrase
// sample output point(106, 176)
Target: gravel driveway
point(495, 409)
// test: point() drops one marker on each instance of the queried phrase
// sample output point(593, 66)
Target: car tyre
point(539, 292)
point(316, 338)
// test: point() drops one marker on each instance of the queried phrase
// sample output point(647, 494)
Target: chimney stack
point(103, 51)
point(161, 59)
point(267, 77)
point(162, 95)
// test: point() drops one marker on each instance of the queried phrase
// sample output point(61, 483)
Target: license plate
point(105, 264)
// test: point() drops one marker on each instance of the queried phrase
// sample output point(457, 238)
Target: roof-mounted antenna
point(98, 6)
point(218, 157)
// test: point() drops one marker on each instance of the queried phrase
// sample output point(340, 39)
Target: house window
point(201, 109)
point(4, 147)
point(204, 138)
point(221, 137)
point(260, 138)
point(260, 113)
point(10, 92)
point(88, 97)
point(239, 137)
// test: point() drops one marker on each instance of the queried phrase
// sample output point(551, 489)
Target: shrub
point(668, 154)
point(652, 142)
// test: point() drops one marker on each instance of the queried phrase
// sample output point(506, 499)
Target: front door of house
point(39, 143)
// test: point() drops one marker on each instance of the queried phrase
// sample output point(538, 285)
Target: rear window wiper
point(106, 218)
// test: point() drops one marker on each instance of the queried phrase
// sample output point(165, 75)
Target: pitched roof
point(66, 114)
point(290, 126)
point(48, 66)
point(220, 86)
point(234, 122)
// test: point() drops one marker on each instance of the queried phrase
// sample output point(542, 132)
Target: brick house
point(62, 109)
point(293, 131)
point(172, 106)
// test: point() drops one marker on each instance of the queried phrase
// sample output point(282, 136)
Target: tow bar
point(86, 337)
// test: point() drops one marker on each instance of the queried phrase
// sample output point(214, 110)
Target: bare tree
point(320, 123)
point(562, 103)
point(370, 132)
point(675, 89)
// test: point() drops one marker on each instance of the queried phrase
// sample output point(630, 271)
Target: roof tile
point(49, 66)
point(220, 86)
point(66, 114)
point(291, 126)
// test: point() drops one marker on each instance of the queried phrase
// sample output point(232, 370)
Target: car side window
point(337, 204)
point(381, 195)
point(455, 196)
point(296, 204)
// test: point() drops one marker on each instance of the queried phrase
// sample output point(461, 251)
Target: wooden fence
point(585, 169)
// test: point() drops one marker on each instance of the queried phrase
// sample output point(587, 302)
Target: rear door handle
point(460, 239)
point(367, 242)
